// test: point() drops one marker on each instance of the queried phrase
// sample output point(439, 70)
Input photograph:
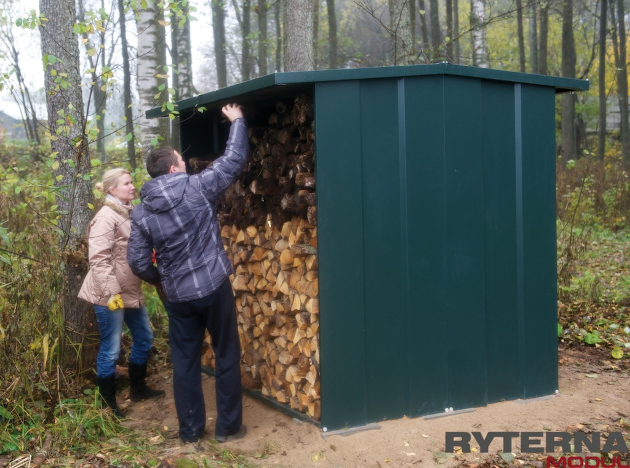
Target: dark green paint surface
point(436, 232)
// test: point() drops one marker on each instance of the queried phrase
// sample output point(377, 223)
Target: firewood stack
point(269, 228)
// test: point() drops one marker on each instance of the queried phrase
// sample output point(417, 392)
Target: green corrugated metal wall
point(436, 220)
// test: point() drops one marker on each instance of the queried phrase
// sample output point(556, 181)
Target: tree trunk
point(533, 39)
point(151, 59)
point(181, 46)
point(400, 27)
point(568, 71)
point(456, 28)
point(519, 32)
point(315, 32)
point(262, 37)
point(298, 35)
point(544, 35)
point(218, 28)
point(436, 35)
point(332, 34)
point(73, 161)
point(130, 136)
point(279, 38)
point(601, 129)
point(622, 79)
point(422, 10)
point(449, 30)
point(478, 27)
point(246, 59)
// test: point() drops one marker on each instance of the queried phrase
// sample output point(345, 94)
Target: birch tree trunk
point(332, 34)
point(298, 35)
point(262, 37)
point(151, 59)
point(72, 161)
point(131, 140)
point(478, 26)
point(218, 28)
point(568, 71)
point(519, 33)
point(400, 27)
point(181, 55)
point(601, 129)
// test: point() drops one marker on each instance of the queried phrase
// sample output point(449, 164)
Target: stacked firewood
point(268, 226)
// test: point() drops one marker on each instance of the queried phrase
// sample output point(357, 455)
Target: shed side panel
point(464, 259)
point(340, 254)
point(540, 375)
point(427, 332)
point(499, 184)
point(385, 317)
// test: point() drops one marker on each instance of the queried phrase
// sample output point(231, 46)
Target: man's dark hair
point(160, 160)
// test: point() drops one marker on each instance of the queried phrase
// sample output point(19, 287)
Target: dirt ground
point(594, 396)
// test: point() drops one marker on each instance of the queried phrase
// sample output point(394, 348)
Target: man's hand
point(115, 302)
point(232, 112)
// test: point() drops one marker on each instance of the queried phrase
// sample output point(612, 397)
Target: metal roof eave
point(561, 85)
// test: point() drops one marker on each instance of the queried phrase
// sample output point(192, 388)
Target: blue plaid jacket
point(177, 216)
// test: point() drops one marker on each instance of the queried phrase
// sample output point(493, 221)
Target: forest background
point(81, 75)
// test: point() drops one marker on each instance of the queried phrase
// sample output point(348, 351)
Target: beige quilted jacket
point(109, 274)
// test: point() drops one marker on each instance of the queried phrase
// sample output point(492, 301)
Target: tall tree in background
point(130, 136)
point(67, 122)
point(436, 35)
point(601, 129)
point(543, 38)
point(478, 33)
point(332, 34)
point(262, 37)
point(298, 35)
point(315, 33)
point(98, 98)
point(533, 38)
point(181, 58)
point(151, 60)
point(424, 27)
point(278, 37)
point(622, 84)
point(449, 30)
point(568, 70)
point(246, 29)
point(456, 51)
point(519, 34)
point(218, 28)
point(400, 31)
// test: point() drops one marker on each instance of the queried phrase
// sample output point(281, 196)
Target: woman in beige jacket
point(116, 292)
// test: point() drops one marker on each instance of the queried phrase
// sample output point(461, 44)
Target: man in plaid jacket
point(177, 217)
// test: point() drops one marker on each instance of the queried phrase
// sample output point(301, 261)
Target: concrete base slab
point(450, 413)
point(350, 430)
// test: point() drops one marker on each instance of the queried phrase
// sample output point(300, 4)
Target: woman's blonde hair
point(109, 179)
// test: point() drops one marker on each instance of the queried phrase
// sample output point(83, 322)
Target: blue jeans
point(110, 325)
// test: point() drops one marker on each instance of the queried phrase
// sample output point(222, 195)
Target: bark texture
point(151, 59)
point(568, 70)
point(70, 144)
point(400, 27)
point(262, 37)
point(131, 143)
point(218, 28)
point(601, 129)
point(332, 34)
point(298, 35)
point(478, 26)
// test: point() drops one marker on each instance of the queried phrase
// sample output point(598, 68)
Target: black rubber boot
point(138, 383)
point(107, 389)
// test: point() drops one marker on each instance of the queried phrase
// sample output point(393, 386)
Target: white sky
point(28, 45)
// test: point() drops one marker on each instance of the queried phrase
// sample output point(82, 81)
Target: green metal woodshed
point(437, 232)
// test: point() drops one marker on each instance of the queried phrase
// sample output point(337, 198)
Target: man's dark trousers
point(187, 324)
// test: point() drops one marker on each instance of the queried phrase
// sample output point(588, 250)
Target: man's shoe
point(237, 435)
point(138, 383)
